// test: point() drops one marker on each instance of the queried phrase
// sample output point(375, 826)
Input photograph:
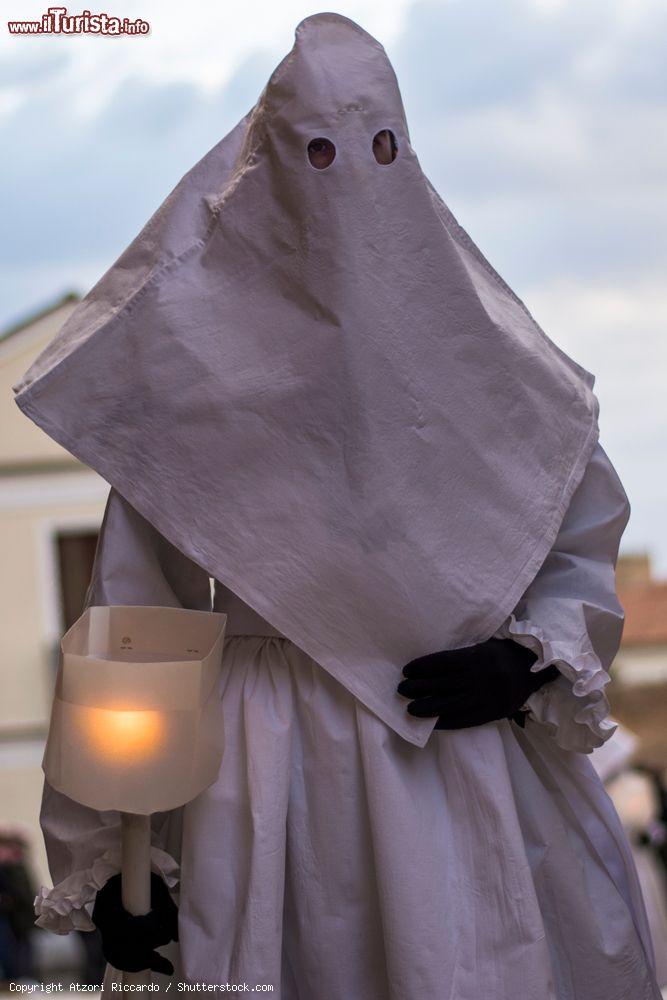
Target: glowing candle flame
point(124, 735)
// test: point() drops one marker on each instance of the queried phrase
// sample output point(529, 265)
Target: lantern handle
point(136, 875)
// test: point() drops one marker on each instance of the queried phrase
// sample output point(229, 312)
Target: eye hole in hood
point(385, 146)
point(321, 152)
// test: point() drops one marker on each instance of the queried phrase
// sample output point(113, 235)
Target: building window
point(76, 553)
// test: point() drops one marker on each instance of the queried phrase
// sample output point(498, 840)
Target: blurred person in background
point(17, 918)
point(639, 796)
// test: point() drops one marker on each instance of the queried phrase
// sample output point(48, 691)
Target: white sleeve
point(570, 614)
point(134, 564)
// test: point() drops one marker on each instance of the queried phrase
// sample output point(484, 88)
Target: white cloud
point(619, 333)
point(198, 41)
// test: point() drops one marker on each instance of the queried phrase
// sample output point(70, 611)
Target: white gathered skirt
point(334, 860)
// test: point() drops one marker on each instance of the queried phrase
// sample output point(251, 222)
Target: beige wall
point(43, 491)
point(32, 510)
point(641, 664)
point(20, 440)
point(20, 796)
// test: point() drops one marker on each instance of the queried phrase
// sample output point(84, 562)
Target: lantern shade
point(136, 723)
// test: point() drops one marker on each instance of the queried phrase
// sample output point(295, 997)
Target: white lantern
point(136, 723)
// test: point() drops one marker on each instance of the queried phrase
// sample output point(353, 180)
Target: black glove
point(473, 685)
point(129, 942)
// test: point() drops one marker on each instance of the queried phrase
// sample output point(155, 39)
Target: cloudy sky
point(542, 123)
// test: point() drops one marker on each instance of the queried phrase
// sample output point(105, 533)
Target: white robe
point(334, 859)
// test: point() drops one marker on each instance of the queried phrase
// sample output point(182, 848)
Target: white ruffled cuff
point(574, 707)
point(67, 906)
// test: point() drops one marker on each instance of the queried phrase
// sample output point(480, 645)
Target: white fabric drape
point(333, 858)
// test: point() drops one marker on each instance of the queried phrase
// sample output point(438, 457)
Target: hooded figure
point(304, 381)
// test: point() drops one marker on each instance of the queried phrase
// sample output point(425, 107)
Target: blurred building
point(639, 694)
point(50, 509)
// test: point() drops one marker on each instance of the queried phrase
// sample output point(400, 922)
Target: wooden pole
point(136, 875)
